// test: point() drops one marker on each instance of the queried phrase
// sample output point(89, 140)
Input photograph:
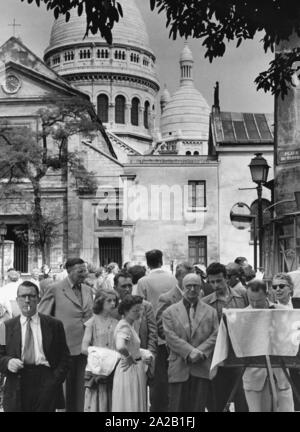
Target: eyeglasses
point(281, 286)
point(30, 296)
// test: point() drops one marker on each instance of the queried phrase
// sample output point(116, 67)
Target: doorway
point(18, 233)
point(110, 250)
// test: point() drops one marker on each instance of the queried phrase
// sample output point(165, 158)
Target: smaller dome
point(186, 54)
point(187, 112)
point(165, 96)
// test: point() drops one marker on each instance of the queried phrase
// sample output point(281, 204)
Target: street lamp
point(297, 199)
point(3, 231)
point(259, 169)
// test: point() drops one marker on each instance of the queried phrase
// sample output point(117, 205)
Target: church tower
point(120, 79)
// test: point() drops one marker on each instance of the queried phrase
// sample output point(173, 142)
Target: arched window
point(135, 105)
point(188, 153)
point(102, 107)
point(196, 153)
point(120, 109)
point(146, 115)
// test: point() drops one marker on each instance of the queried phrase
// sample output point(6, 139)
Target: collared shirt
point(35, 324)
point(188, 307)
point(289, 305)
point(235, 301)
point(155, 270)
point(76, 288)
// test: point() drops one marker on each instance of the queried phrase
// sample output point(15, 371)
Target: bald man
point(190, 327)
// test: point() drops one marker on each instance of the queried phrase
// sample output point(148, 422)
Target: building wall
point(107, 174)
point(234, 173)
point(155, 228)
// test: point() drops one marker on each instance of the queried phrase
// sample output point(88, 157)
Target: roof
point(237, 127)
point(130, 30)
point(188, 112)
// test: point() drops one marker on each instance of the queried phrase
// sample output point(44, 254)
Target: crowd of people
point(133, 339)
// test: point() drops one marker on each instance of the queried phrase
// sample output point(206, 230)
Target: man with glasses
point(255, 380)
point(283, 289)
point(190, 328)
point(34, 357)
point(224, 297)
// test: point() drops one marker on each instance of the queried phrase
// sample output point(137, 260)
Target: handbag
point(101, 362)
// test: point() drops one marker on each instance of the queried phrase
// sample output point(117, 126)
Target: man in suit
point(151, 287)
point(173, 296)
point(224, 297)
point(71, 301)
point(165, 300)
point(34, 356)
point(190, 327)
point(146, 326)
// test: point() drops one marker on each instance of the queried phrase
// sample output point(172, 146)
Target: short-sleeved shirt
point(235, 301)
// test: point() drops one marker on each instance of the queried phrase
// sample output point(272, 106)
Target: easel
point(268, 362)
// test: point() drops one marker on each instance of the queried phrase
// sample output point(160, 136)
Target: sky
point(235, 71)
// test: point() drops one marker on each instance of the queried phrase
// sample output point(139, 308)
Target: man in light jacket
point(71, 301)
point(190, 328)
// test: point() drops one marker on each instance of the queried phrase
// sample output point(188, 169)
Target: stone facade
point(234, 179)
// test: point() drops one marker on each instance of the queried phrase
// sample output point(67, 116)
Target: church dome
point(186, 54)
point(187, 111)
point(165, 97)
point(130, 30)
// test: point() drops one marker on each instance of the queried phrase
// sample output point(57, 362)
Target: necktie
point(28, 353)
point(77, 291)
point(192, 317)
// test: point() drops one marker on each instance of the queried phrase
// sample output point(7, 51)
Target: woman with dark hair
point(130, 381)
point(99, 332)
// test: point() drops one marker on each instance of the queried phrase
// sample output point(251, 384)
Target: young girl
point(99, 332)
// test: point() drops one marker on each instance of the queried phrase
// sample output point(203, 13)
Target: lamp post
point(3, 231)
point(259, 169)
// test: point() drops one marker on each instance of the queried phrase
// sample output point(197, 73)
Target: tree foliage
point(101, 15)
point(30, 154)
point(215, 22)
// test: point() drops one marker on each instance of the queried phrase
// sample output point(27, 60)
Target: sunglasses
point(281, 286)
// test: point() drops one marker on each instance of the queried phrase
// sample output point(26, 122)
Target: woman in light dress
point(130, 381)
point(99, 332)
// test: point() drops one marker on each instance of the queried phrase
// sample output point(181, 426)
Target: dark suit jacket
point(55, 349)
point(61, 302)
point(146, 329)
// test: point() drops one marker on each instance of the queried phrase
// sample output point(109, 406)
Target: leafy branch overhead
point(215, 22)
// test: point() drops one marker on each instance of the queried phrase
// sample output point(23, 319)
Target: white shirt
point(110, 281)
point(295, 275)
point(8, 295)
point(35, 324)
point(289, 305)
